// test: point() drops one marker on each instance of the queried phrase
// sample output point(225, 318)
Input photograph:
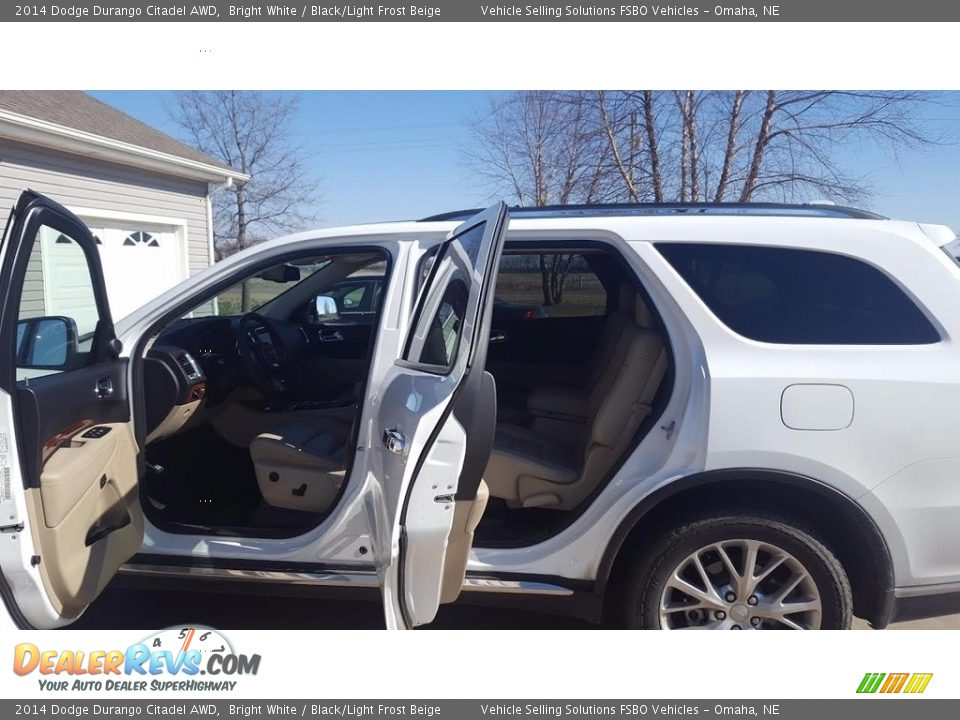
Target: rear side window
point(786, 295)
point(550, 284)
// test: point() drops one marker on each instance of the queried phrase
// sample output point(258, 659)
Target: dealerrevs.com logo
point(192, 658)
point(893, 683)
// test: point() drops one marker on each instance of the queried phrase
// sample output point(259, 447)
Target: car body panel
point(895, 460)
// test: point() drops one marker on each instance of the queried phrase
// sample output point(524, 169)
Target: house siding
point(76, 181)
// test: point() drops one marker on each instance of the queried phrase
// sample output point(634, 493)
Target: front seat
point(528, 468)
point(302, 466)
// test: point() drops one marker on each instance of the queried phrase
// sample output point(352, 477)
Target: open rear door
point(436, 425)
point(69, 509)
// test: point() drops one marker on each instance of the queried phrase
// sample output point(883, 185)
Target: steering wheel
point(264, 355)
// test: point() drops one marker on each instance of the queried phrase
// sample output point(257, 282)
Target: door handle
point(394, 441)
point(104, 388)
point(497, 337)
point(335, 336)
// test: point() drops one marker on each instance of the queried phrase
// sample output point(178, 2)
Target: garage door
point(66, 281)
point(139, 263)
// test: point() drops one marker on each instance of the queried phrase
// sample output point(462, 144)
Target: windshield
point(253, 293)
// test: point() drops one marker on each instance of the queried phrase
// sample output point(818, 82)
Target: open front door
point(69, 509)
point(436, 425)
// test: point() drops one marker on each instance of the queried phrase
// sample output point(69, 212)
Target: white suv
point(686, 416)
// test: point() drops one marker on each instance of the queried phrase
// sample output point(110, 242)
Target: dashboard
point(191, 365)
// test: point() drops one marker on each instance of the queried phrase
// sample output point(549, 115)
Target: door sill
point(325, 575)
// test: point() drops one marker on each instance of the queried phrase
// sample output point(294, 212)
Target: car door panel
point(54, 407)
point(436, 422)
point(76, 498)
point(86, 515)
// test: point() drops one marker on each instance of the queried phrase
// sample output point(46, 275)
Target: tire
point(717, 549)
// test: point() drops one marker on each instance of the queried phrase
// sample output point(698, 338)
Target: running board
point(512, 587)
point(342, 579)
point(345, 579)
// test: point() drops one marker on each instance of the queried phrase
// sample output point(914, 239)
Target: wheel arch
point(816, 505)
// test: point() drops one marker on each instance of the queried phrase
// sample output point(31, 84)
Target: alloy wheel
point(740, 584)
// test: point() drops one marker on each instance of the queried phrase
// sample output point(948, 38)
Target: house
point(145, 195)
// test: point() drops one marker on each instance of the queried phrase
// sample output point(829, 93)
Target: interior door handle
point(394, 441)
point(334, 336)
point(497, 337)
point(104, 388)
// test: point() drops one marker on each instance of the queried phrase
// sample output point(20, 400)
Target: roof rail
point(624, 209)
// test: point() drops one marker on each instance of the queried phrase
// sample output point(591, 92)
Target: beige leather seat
point(574, 403)
point(530, 468)
point(302, 466)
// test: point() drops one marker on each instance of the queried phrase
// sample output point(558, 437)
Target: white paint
point(727, 402)
point(811, 406)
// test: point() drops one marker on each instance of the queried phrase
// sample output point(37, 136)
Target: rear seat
point(573, 403)
point(529, 468)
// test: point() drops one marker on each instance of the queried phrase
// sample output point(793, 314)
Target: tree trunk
point(545, 282)
point(763, 137)
point(730, 153)
point(246, 301)
point(656, 178)
point(626, 173)
point(690, 120)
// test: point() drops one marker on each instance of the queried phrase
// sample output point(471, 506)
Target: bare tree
point(690, 146)
point(542, 148)
point(250, 131)
point(776, 145)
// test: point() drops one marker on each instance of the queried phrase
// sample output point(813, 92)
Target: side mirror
point(47, 343)
point(326, 308)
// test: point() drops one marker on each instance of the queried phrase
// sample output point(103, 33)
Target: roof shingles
point(80, 111)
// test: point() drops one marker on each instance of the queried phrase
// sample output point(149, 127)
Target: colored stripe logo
point(912, 683)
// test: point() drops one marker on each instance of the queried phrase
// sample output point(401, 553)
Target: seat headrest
point(626, 298)
point(641, 313)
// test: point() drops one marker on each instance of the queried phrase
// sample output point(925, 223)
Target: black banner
point(481, 11)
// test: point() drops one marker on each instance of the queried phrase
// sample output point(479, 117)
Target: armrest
point(561, 403)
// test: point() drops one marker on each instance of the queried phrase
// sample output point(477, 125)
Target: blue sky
point(396, 155)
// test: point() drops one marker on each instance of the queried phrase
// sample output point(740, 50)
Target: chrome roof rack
point(705, 209)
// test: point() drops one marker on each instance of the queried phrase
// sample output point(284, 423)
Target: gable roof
point(53, 116)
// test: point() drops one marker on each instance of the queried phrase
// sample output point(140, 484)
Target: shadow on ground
point(128, 608)
point(125, 608)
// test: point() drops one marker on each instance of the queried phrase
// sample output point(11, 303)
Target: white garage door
point(67, 288)
point(139, 263)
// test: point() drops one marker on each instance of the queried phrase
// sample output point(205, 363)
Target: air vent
point(189, 366)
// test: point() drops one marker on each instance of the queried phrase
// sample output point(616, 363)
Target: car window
point(58, 313)
point(443, 337)
point(787, 295)
point(252, 293)
point(354, 298)
point(534, 285)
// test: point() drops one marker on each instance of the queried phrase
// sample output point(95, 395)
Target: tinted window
point(535, 285)
point(471, 241)
point(782, 295)
point(443, 337)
